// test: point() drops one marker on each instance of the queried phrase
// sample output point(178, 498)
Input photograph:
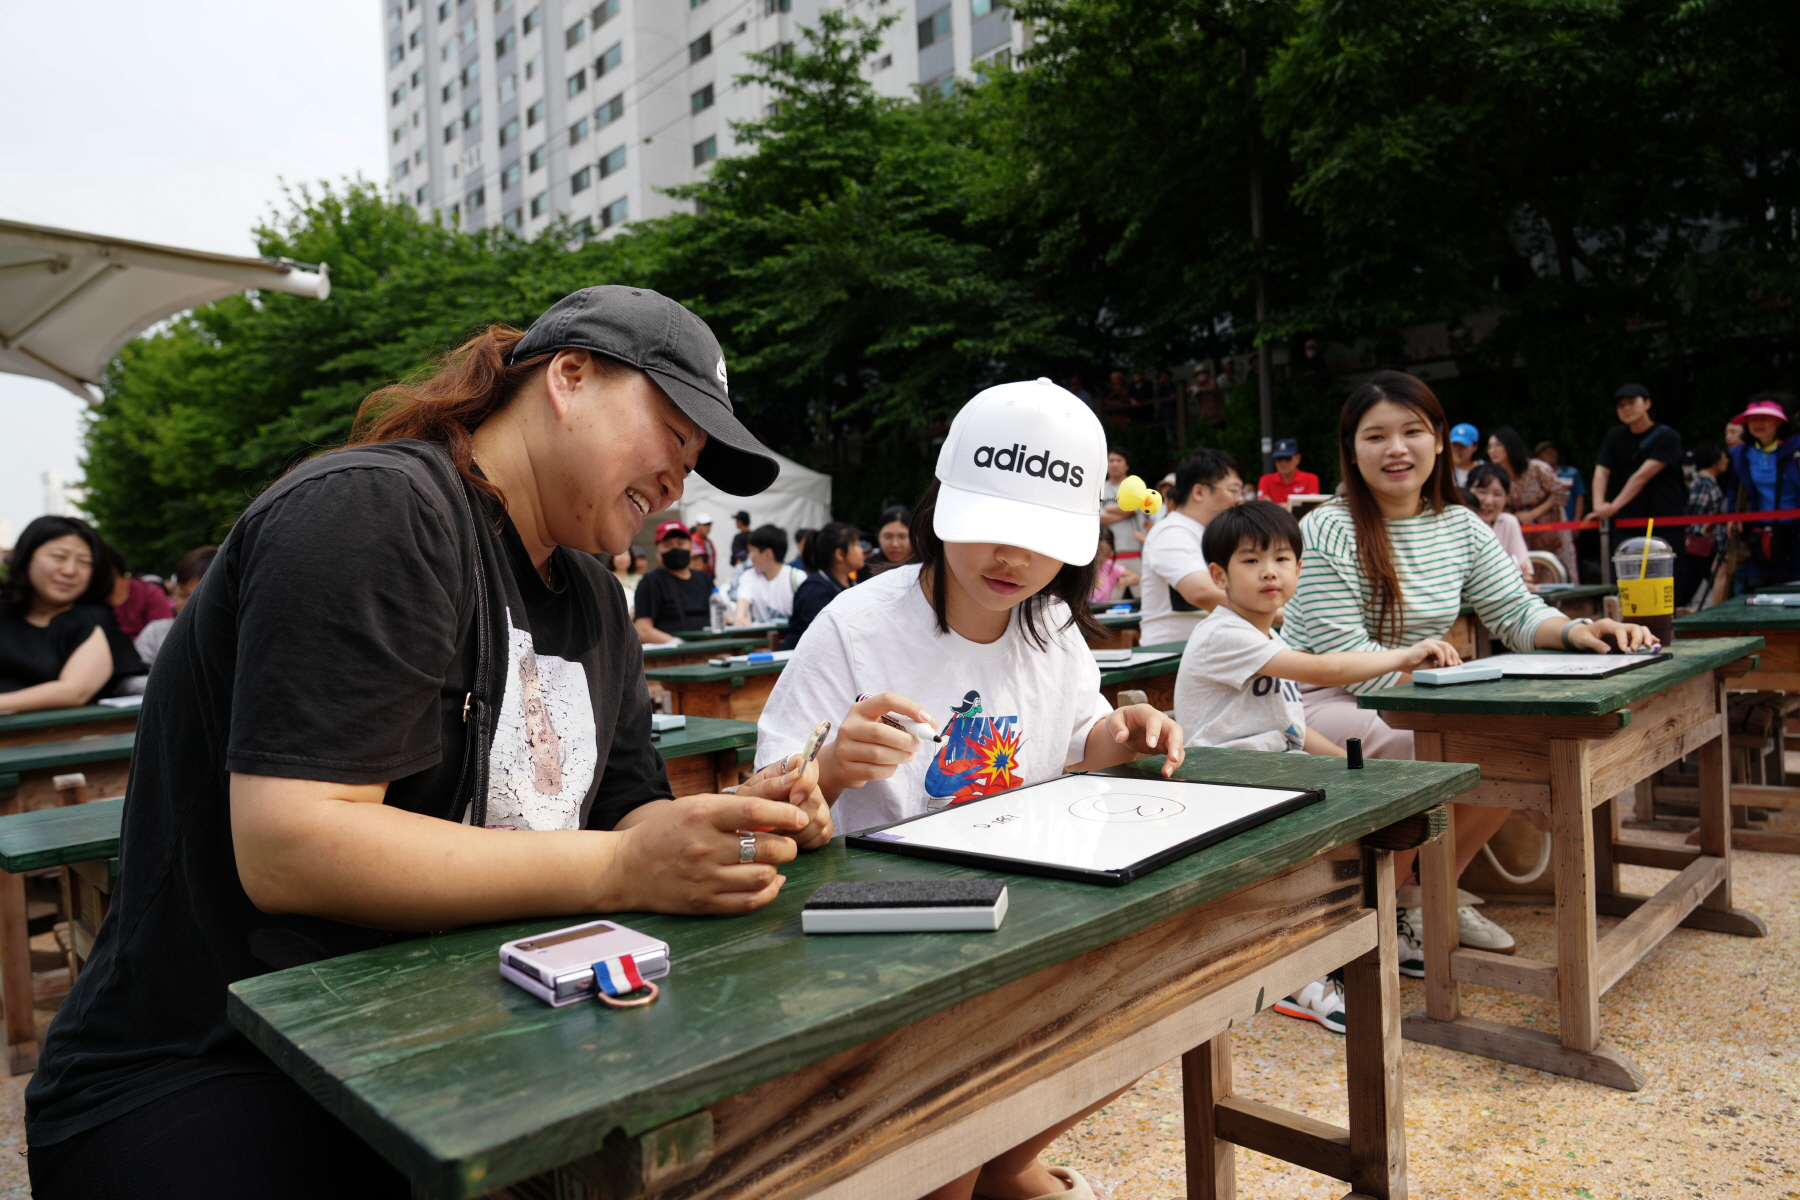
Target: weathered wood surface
point(1734, 616)
point(49, 756)
point(1567, 697)
point(467, 1082)
point(705, 735)
point(760, 632)
point(62, 724)
point(690, 652)
point(54, 837)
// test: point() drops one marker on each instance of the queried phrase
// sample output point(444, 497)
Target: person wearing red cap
point(1768, 476)
point(672, 597)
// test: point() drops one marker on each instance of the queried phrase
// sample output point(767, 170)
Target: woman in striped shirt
point(1390, 564)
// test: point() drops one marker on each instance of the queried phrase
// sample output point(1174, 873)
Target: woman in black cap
point(405, 652)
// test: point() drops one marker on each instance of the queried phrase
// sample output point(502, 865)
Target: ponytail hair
point(446, 403)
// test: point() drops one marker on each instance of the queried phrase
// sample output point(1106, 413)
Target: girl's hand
point(780, 781)
point(1599, 637)
point(1434, 652)
point(865, 747)
point(1145, 730)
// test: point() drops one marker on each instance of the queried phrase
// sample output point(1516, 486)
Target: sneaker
point(1322, 1000)
point(1410, 941)
point(1478, 933)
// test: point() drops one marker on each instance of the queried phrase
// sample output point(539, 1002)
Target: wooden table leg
point(1372, 1048)
point(1572, 858)
point(1437, 887)
point(1206, 1080)
point(15, 977)
point(1715, 912)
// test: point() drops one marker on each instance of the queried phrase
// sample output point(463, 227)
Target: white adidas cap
point(1022, 466)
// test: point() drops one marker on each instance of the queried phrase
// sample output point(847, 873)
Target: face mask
point(676, 560)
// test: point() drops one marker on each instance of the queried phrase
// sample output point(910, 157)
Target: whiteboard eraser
point(663, 722)
point(906, 906)
point(1112, 657)
point(1469, 672)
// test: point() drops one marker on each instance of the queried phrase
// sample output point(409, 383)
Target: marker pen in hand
point(918, 729)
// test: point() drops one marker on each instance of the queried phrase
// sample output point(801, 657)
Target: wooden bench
point(28, 773)
point(736, 692)
point(64, 724)
point(780, 1066)
point(665, 654)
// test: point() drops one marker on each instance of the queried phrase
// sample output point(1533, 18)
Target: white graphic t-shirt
point(1222, 697)
point(543, 758)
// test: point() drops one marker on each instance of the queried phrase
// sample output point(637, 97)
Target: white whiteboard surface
point(1089, 824)
point(1567, 666)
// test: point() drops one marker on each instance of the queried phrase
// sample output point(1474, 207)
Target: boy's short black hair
point(771, 538)
point(1262, 523)
point(1206, 467)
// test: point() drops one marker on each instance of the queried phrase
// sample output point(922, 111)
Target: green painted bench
point(62, 724)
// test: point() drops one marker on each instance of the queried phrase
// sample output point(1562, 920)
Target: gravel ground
point(1709, 1018)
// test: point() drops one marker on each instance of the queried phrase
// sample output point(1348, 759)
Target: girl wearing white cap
point(981, 635)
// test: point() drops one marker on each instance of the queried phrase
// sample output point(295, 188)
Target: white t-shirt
point(1171, 554)
point(1022, 714)
point(770, 599)
point(1129, 534)
point(1223, 699)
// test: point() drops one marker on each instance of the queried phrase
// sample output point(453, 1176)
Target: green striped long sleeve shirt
point(1443, 560)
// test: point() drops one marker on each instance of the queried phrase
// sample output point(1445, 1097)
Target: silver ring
point(746, 846)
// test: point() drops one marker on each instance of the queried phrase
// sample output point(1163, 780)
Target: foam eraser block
point(1469, 672)
point(906, 906)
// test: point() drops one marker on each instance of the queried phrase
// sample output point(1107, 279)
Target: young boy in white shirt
point(1237, 684)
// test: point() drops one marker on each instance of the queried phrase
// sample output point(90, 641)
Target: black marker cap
point(1353, 748)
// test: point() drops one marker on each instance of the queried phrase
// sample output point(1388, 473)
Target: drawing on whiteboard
point(1121, 807)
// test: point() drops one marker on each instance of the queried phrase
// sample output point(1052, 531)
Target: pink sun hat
point(1761, 408)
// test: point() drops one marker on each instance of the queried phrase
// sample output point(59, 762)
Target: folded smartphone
point(558, 967)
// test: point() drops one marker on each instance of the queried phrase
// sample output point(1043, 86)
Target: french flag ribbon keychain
point(616, 978)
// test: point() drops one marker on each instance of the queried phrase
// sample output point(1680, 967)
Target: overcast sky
point(173, 123)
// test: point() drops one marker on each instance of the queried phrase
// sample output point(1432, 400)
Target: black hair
point(897, 512)
point(1106, 535)
point(801, 537)
point(1518, 458)
point(1705, 455)
point(771, 538)
point(1482, 474)
point(742, 518)
point(1261, 523)
point(1073, 584)
point(117, 560)
point(822, 548)
point(1115, 450)
point(193, 564)
point(15, 593)
point(1202, 467)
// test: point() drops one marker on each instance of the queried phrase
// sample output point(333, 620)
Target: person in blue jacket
point(1767, 466)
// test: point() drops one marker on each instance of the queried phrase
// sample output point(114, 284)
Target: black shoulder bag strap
point(471, 791)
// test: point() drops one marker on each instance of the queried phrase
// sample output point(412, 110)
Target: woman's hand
point(866, 747)
point(685, 856)
point(780, 781)
point(1599, 637)
point(1139, 730)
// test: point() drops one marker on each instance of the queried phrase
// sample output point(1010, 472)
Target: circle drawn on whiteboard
point(1126, 808)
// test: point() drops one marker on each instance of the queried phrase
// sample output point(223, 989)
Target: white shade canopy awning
point(69, 300)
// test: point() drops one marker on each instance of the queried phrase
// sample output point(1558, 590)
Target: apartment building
point(514, 111)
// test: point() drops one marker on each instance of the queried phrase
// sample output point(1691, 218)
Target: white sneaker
point(1322, 1000)
point(1478, 933)
point(1409, 937)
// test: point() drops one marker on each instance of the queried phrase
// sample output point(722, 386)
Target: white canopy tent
point(800, 498)
point(69, 300)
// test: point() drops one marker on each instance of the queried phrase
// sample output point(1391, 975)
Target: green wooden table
point(1155, 679)
point(737, 691)
point(63, 724)
point(703, 756)
point(882, 1066)
point(762, 630)
point(1476, 641)
point(1567, 748)
point(28, 773)
point(669, 654)
point(1122, 630)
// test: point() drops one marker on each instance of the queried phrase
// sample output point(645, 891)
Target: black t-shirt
point(30, 655)
point(819, 589)
point(1623, 452)
point(673, 604)
point(334, 639)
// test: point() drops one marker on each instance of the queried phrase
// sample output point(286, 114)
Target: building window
point(449, 92)
point(884, 62)
point(509, 132)
point(422, 195)
point(502, 5)
point(578, 131)
point(478, 198)
point(399, 132)
point(418, 78)
point(700, 47)
point(579, 181)
point(615, 54)
point(536, 160)
point(695, 3)
point(584, 228)
point(471, 74)
point(934, 29)
point(444, 11)
point(944, 84)
point(578, 82)
point(472, 115)
point(981, 8)
point(412, 39)
point(534, 114)
point(396, 96)
point(613, 163)
point(603, 12)
point(510, 177)
point(705, 152)
point(456, 214)
point(450, 132)
point(509, 86)
point(419, 157)
point(609, 112)
point(466, 34)
point(539, 203)
point(532, 20)
point(511, 220)
point(700, 101)
point(782, 51)
point(534, 66)
point(574, 35)
point(613, 214)
point(771, 7)
point(998, 60)
point(400, 170)
point(395, 55)
point(504, 43)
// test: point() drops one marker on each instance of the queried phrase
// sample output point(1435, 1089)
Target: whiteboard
point(1099, 828)
point(1568, 666)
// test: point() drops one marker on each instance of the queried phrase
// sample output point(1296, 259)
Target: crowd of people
point(338, 750)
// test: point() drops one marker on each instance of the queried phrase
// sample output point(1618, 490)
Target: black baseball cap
point(1631, 391)
point(661, 338)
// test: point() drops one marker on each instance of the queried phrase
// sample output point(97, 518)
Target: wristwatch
point(1567, 645)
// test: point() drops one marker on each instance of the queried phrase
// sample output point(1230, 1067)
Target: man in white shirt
point(766, 591)
point(1178, 589)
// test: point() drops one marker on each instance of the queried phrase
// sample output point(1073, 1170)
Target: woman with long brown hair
point(406, 697)
point(1392, 562)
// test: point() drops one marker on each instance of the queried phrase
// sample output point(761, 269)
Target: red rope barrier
point(1778, 514)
